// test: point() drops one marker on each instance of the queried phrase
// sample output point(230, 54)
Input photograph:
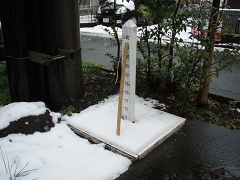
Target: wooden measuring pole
point(121, 88)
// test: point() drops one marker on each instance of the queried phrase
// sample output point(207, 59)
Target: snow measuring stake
point(126, 105)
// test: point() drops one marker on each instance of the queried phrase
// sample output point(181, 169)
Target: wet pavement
point(199, 150)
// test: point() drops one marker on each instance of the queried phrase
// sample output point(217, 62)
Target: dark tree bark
point(37, 77)
point(49, 46)
point(31, 25)
point(68, 32)
point(15, 45)
point(206, 71)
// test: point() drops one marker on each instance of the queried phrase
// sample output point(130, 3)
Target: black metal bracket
point(42, 58)
point(45, 59)
point(69, 54)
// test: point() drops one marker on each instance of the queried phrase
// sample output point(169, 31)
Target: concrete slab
point(152, 127)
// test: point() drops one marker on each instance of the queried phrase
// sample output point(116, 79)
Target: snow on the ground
point(101, 30)
point(57, 154)
point(60, 153)
point(150, 124)
point(22, 109)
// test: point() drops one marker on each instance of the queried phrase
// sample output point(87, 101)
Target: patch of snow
point(130, 5)
point(21, 109)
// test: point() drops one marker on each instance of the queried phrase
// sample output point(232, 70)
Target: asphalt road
point(94, 49)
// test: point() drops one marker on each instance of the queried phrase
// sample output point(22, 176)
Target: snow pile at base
point(15, 111)
point(56, 154)
point(60, 154)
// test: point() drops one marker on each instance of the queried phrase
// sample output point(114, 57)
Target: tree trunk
point(169, 83)
point(15, 46)
point(207, 65)
point(68, 37)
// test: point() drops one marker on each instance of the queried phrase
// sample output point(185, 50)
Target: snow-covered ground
point(61, 154)
point(151, 125)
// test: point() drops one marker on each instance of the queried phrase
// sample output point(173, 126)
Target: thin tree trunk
point(204, 90)
point(149, 69)
point(169, 83)
point(173, 36)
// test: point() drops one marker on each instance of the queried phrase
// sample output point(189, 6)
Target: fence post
point(129, 34)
